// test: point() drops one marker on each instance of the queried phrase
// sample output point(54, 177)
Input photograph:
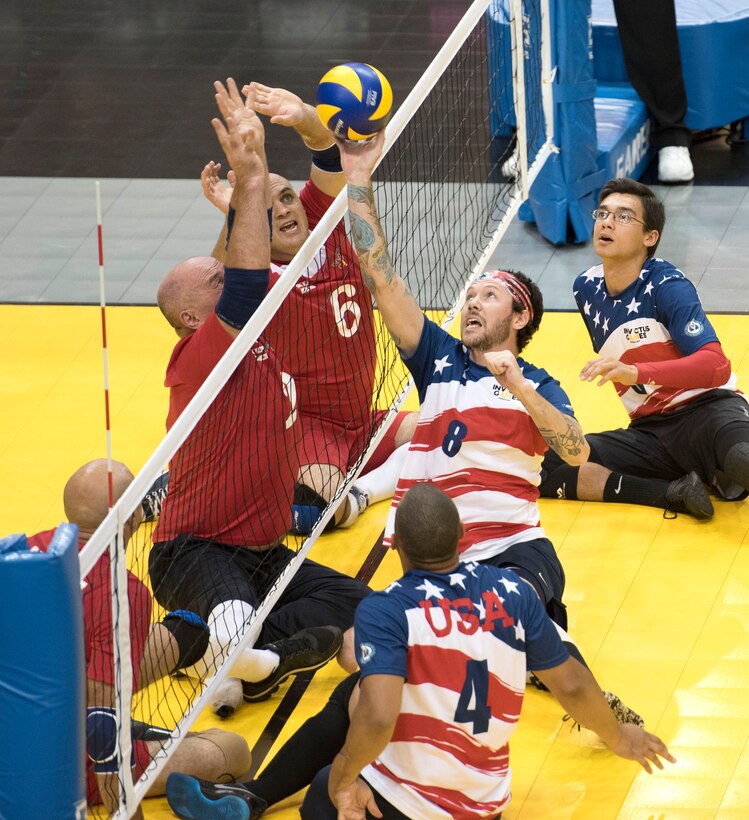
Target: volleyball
point(354, 101)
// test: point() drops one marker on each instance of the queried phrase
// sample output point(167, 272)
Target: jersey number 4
point(473, 703)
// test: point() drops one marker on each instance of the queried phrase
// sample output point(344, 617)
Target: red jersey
point(324, 330)
point(97, 615)
point(232, 481)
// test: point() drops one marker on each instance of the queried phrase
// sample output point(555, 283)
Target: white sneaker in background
point(511, 167)
point(675, 164)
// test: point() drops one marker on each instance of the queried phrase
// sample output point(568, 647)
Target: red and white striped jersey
point(476, 441)
point(462, 640)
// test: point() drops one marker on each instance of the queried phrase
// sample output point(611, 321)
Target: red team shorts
point(328, 443)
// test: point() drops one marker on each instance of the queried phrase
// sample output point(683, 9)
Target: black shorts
point(195, 574)
point(667, 445)
point(537, 562)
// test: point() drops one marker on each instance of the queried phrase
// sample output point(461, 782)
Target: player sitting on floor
point(324, 331)
point(659, 350)
point(218, 547)
point(155, 650)
point(443, 661)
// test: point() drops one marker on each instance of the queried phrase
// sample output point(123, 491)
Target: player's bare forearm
point(219, 249)
point(370, 730)
point(314, 134)
point(400, 311)
point(561, 432)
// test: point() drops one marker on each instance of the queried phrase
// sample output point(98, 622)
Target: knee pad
point(306, 509)
point(101, 739)
point(191, 633)
point(559, 482)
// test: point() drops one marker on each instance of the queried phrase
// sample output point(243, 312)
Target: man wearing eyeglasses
point(689, 424)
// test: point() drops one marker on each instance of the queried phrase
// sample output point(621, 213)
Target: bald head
point(86, 495)
point(427, 527)
point(189, 292)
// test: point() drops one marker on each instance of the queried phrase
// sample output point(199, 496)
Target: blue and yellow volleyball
point(354, 101)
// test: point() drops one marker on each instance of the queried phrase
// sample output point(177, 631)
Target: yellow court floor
point(660, 608)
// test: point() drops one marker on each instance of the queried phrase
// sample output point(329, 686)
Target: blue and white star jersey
point(462, 641)
point(476, 442)
point(657, 318)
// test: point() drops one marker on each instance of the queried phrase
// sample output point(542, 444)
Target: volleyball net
point(461, 153)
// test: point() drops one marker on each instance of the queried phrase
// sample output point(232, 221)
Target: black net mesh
point(308, 392)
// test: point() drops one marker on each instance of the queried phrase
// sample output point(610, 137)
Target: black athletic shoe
point(688, 495)
point(154, 498)
point(308, 649)
point(193, 799)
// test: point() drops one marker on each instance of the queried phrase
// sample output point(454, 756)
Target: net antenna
point(445, 206)
point(116, 547)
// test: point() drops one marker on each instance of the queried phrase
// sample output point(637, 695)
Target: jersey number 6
point(347, 314)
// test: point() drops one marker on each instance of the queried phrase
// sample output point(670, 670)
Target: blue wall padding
point(42, 680)
point(714, 46)
point(623, 130)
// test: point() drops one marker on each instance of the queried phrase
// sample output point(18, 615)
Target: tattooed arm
point(400, 311)
point(561, 432)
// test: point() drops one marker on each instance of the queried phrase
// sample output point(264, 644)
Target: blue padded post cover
point(42, 680)
point(563, 194)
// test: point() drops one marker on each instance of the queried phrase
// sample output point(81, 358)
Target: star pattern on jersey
point(510, 586)
point(605, 326)
point(392, 586)
point(471, 568)
point(457, 579)
point(648, 288)
point(430, 590)
point(519, 631)
point(441, 364)
point(586, 307)
point(481, 609)
point(633, 307)
point(591, 274)
point(597, 319)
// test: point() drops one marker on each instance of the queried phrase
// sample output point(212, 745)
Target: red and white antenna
point(102, 302)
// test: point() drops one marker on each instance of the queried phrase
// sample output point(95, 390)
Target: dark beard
point(494, 338)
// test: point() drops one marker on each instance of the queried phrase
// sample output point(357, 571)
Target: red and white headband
point(519, 292)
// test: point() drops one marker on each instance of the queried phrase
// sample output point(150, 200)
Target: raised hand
point(504, 367)
point(359, 159)
point(241, 140)
point(282, 106)
point(214, 190)
point(231, 104)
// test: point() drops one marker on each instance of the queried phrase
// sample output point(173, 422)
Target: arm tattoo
point(568, 442)
point(363, 234)
point(361, 193)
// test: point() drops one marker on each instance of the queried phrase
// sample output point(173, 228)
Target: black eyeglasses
point(622, 217)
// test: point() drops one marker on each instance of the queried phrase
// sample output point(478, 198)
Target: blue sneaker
point(193, 799)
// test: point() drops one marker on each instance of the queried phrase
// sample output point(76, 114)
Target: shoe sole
point(189, 803)
point(271, 688)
